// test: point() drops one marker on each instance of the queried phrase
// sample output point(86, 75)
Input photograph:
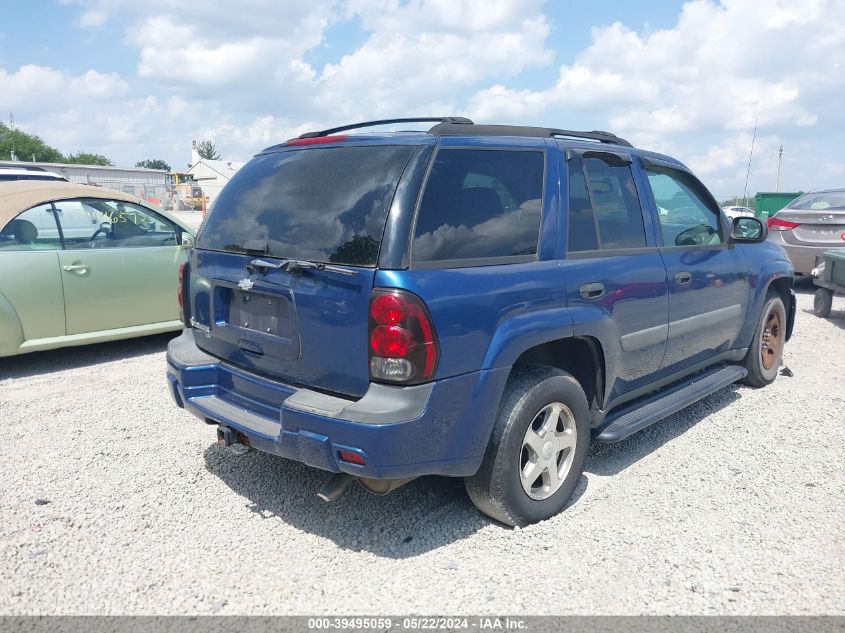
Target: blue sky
point(141, 80)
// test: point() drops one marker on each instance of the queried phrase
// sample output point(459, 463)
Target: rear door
point(708, 277)
point(284, 265)
point(29, 275)
point(615, 278)
point(120, 265)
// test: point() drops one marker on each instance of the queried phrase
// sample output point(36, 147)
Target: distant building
point(211, 175)
point(148, 184)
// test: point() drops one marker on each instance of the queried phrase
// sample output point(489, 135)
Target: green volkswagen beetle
point(82, 264)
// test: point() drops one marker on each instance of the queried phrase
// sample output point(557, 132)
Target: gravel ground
point(114, 501)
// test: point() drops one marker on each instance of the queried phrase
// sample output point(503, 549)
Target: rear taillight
point(776, 224)
point(403, 345)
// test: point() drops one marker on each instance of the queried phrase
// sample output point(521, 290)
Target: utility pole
point(780, 158)
point(748, 171)
point(12, 134)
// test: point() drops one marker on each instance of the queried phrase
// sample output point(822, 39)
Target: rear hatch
point(820, 220)
point(284, 264)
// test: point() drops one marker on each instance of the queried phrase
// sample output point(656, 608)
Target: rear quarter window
point(480, 204)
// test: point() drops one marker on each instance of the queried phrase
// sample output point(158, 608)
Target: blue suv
point(476, 301)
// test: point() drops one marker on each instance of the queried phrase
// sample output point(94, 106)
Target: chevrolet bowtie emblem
point(246, 284)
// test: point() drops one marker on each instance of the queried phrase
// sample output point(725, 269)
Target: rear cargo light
point(776, 224)
point(317, 140)
point(403, 345)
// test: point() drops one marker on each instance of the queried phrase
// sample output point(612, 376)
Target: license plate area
point(259, 312)
point(261, 322)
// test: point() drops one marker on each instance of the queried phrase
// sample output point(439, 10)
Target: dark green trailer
point(768, 203)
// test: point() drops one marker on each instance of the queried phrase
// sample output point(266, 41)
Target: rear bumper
point(438, 428)
point(803, 258)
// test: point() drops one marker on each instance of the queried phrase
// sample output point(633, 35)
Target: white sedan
point(737, 212)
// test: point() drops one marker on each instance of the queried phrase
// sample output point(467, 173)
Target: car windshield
point(820, 201)
point(318, 204)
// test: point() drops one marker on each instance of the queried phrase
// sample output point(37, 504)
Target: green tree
point(27, 147)
point(86, 158)
point(153, 163)
point(361, 250)
point(207, 150)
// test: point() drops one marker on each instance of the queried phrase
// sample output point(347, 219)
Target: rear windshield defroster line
point(325, 205)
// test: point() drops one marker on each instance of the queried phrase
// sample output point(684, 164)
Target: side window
point(604, 208)
point(480, 204)
point(96, 223)
point(685, 218)
point(33, 230)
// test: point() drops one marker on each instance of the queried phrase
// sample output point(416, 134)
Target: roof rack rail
point(453, 120)
point(446, 129)
point(595, 135)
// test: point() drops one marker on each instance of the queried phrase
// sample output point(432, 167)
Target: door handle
point(683, 278)
point(592, 291)
point(75, 268)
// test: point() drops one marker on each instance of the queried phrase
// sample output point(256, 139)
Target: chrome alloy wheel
point(547, 451)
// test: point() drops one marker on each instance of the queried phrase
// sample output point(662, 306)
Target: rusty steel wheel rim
point(772, 340)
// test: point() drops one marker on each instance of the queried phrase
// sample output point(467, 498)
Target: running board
point(636, 417)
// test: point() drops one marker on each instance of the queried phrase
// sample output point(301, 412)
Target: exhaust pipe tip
point(335, 487)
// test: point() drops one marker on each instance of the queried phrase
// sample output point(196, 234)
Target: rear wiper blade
point(291, 265)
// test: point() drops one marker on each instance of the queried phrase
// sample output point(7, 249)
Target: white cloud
point(42, 89)
point(720, 69)
point(247, 78)
point(91, 18)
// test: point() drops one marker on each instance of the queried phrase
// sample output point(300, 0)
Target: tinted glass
point(685, 218)
point(319, 204)
point(615, 202)
point(582, 222)
point(604, 208)
point(95, 223)
point(480, 204)
point(32, 230)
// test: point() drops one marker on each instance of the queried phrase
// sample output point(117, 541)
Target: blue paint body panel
point(646, 326)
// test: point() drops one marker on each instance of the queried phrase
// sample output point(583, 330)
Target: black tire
point(496, 488)
point(760, 372)
point(823, 302)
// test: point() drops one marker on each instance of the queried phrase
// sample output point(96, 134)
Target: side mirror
point(187, 240)
point(748, 229)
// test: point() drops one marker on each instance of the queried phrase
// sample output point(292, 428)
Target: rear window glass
point(820, 201)
point(319, 204)
point(480, 204)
